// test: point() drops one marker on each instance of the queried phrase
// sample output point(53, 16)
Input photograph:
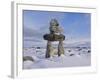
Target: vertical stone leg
point(60, 48)
point(48, 49)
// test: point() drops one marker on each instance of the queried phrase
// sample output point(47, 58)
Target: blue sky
point(77, 26)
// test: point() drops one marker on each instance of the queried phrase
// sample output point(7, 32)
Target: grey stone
point(60, 48)
point(54, 36)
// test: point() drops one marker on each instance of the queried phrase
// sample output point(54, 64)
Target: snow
point(75, 57)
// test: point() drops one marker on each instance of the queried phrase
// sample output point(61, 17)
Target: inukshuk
point(54, 35)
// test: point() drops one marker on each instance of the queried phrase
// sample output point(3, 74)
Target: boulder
point(25, 58)
point(54, 37)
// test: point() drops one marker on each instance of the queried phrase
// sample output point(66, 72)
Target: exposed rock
point(54, 37)
point(71, 54)
point(25, 58)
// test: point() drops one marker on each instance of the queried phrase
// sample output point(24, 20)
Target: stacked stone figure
point(54, 35)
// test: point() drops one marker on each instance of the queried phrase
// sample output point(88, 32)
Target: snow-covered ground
point(74, 56)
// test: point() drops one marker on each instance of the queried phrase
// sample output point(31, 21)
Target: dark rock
point(71, 55)
point(25, 58)
point(89, 51)
point(79, 49)
point(69, 50)
point(54, 37)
